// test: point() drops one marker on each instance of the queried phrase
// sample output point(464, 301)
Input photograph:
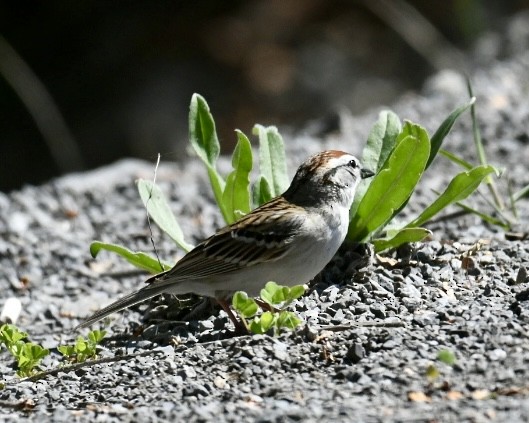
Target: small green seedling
point(444, 356)
point(84, 348)
point(447, 357)
point(276, 297)
point(27, 354)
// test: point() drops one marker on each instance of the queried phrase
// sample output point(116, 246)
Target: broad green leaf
point(236, 195)
point(256, 326)
point(445, 127)
point(33, 353)
point(10, 334)
point(393, 185)
point(96, 336)
point(39, 352)
point(380, 144)
point(458, 189)
point(66, 350)
point(381, 141)
point(202, 132)
point(80, 344)
point(246, 307)
point(416, 131)
point(272, 159)
point(281, 295)
point(267, 320)
point(403, 236)
point(158, 208)
point(261, 192)
point(268, 292)
point(138, 259)
point(203, 138)
point(296, 291)
point(16, 348)
point(23, 360)
point(264, 322)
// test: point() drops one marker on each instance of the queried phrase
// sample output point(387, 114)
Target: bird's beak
point(366, 173)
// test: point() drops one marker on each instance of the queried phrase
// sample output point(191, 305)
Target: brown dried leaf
point(481, 394)
point(418, 396)
point(454, 395)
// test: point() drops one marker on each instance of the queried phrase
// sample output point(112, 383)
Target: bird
point(288, 240)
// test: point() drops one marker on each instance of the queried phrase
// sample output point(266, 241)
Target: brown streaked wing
point(260, 236)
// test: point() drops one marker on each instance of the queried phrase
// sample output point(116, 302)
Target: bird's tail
point(127, 301)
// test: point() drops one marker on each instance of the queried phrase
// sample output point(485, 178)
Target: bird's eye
point(353, 164)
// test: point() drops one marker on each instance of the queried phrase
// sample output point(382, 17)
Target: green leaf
point(202, 132)
point(10, 334)
point(66, 350)
point(393, 185)
point(281, 295)
point(445, 127)
point(262, 324)
point(272, 159)
point(475, 128)
point(457, 160)
point(262, 192)
point(447, 357)
point(96, 336)
point(158, 208)
point(524, 192)
point(236, 195)
point(268, 292)
point(267, 320)
point(459, 188)
point(288, 319)
point(256, 327)
point(16, 348)
point(28, 357)
point(480, 149)
point(203, 138)
point(295, 292)
point(485, 217)
point(381, 141)
point(81, 345)
point(36, 352)
point(403, 236)
point(138, 259)
point(246, 307)
point(380, 144)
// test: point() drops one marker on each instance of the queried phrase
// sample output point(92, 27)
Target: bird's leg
point(240, 327)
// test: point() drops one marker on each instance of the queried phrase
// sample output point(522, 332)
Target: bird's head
point(327, 176)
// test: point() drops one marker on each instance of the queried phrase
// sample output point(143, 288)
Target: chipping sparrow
point(288, 240)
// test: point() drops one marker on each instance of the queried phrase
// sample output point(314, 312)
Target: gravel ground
point(373, 327)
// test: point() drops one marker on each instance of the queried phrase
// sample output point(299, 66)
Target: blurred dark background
point(83, 83)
